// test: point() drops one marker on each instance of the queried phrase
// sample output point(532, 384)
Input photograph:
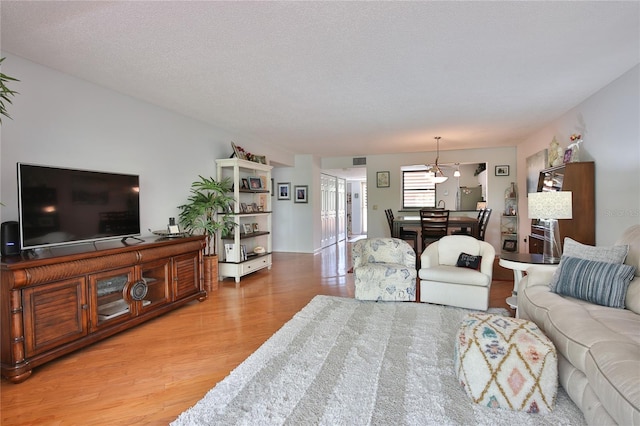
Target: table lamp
point(550, 206)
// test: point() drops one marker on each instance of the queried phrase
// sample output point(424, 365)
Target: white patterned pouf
point(505, 362)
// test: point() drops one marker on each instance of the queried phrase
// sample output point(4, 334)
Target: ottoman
point(504, 362)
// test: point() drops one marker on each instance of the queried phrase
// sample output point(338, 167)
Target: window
point(417, 189)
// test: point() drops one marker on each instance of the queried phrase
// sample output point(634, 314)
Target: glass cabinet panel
point(156, 277)
point(552, 180)
point(109, 290)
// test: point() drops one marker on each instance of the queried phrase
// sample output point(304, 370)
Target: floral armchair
point(384, 269)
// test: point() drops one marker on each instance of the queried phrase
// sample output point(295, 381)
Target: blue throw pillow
point(601, 283)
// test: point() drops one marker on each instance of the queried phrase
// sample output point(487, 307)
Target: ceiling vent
point(359, 161)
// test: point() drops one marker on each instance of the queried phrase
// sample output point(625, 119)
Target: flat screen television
point(66, 206)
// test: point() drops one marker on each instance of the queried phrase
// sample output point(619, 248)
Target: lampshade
point(550, 205)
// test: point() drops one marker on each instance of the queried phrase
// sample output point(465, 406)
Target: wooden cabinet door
point(186, 278)
point(54, 314)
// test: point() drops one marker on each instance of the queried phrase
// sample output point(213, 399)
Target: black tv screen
point(63, 206)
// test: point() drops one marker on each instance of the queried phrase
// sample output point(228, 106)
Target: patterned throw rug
point(342, 361)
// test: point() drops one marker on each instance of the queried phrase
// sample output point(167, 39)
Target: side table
point(520, 262)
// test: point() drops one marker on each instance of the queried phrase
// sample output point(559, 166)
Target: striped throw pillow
point(601, 283)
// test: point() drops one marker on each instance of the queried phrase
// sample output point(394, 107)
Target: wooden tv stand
point(62, 299)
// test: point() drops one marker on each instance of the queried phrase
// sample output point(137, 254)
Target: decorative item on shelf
point(255, 183)
point(549, 206)
point(574, 147)
point(247, 228)
point(206, 213)
point(242, 154)
point(555, 153)
point(510, 196)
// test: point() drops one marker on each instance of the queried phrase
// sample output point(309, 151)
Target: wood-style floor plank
point(151, 373)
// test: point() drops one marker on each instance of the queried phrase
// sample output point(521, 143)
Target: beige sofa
point(598, 346)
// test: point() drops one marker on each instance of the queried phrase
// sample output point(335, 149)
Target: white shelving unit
point(252, 216)
point(509, 220)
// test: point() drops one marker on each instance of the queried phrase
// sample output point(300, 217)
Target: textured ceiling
point(340, 78)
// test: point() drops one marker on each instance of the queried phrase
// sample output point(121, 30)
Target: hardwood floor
point(151, 373)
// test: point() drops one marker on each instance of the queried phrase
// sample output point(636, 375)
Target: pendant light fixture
point(457, 172)
point(438, 176)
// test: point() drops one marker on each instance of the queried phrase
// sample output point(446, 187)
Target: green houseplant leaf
point(207, 212)
point(5, 93)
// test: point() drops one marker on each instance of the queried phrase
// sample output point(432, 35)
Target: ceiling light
point(457, 172)
point(438, 176)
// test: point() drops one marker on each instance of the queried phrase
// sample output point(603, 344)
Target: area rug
point(342, 361)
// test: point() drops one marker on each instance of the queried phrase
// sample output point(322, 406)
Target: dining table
point(455, 223)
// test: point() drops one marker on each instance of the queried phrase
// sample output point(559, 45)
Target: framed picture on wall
point(301, 193)
point(502, 170)
point(383, 180)
point(284, 191)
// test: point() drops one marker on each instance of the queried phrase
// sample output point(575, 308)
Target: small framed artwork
point(249, 208)
point(245, 184)
point(247, 228)
point(284, 191)
point(243, 207)
point(260, 159)
point(502, 170)
point(383, 180)
point(255, 183)
point(255, 226)
point(509, 245)
point(567, 155)
point(301, 193)
point(238, 152)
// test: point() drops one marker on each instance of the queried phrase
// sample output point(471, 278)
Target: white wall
point(380, 199)
point(356, 207)
point(296, 226)
point(60, 120)
point(609, 122)
point(64, 121)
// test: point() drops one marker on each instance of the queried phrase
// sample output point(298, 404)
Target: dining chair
point(483, 223)
point(467, 231)
point(404, 234)
point(434, 224)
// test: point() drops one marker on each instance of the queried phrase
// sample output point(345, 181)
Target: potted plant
point(5, 93)
point(207, 212)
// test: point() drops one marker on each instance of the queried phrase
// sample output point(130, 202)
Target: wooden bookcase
point(52, 304)
point(579, 178)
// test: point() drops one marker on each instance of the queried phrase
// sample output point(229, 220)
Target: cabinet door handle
point(85, 306)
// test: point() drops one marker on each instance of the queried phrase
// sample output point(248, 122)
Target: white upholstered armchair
point(445, 283)
point(384, 269)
